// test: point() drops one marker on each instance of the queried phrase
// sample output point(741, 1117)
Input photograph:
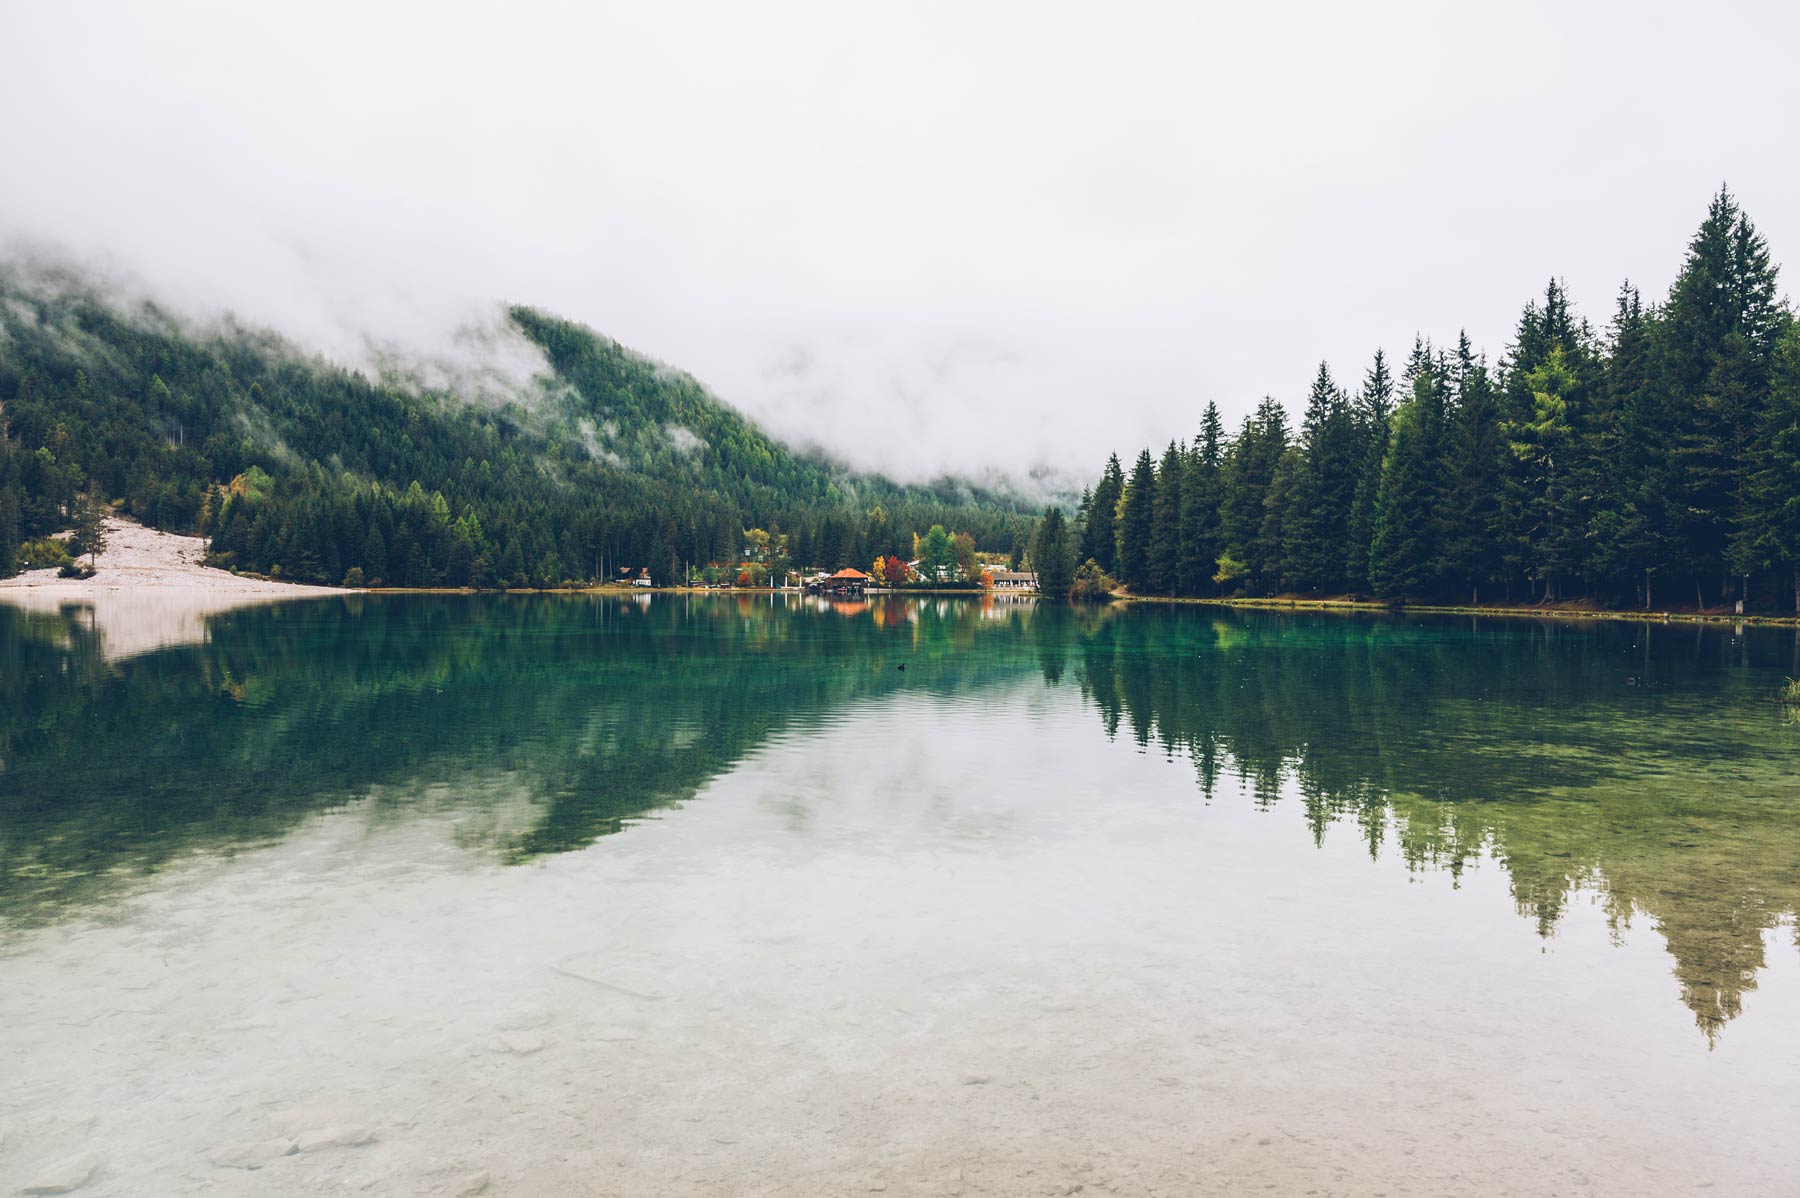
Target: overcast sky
point(924, 236)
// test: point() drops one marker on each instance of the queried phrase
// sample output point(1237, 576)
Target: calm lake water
point(658, 895)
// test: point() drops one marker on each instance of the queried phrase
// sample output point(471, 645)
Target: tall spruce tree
point(1324, 489)
point(1631, 526)
point(1164, 566)
point(1201, 494)
point(1767, 535)
point(1249, 473)
point(1476, 452)
point(1137, 516)
point(1553, 327)
point(1100, 532)
point(1374, 409)
point(1405, 554)
point(1542, 442)
point(1720, 329)
point(1283, 499)
point(1053, 554)
point(1079, 532)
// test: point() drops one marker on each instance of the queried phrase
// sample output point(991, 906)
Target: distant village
point(940, 561)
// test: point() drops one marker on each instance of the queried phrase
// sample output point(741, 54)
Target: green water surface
point(1642, 763)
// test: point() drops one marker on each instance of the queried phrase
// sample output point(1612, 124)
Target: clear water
point(568, 895)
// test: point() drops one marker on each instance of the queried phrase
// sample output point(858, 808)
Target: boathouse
point(848, 581)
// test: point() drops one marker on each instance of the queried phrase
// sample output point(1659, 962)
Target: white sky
point(924, 236)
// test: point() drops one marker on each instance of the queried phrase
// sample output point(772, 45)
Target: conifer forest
point(1650, 461)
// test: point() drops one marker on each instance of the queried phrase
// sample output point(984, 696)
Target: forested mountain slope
point(292, 462)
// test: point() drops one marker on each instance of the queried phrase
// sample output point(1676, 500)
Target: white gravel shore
point(148, 591)
point(137, 557)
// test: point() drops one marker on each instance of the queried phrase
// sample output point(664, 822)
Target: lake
point(762, 895)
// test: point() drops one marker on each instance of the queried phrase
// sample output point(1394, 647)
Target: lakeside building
point(1015, 580)
point(848, 581)
point(938, 574)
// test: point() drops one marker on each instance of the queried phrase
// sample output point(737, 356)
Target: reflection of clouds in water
point(1429, 742)
point(1044, 967)
point(602, 710)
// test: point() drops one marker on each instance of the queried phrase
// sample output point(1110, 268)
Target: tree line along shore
point(1652, 463)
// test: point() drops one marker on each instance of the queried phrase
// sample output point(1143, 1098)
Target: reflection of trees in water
point(592, 711)
point(1611, 758)
point(1633, 763)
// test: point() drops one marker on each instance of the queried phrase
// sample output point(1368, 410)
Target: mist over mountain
point(536, 452)
point(934, 243)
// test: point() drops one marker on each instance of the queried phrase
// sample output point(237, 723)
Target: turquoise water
point(685, 895)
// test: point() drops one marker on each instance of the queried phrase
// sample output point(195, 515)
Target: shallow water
point(678, 896)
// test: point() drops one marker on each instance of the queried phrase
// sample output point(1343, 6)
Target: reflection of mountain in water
point(1635, 763)
point(1640, 763)
point(593, 710)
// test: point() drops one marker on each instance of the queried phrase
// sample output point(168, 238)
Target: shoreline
point(140, 560)
point(610, 589)
point(1508, 611)
point(148, 562)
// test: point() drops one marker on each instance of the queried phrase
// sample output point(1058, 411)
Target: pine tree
point(1249, 473)
point(1630, 529)
point(374, 556)
point(90, 525)
point(1551, 328)
point(1720, 329)
point(1279, 504)
point(1374, 410)
point(1323, 492)
point(1476, 452)
point(1201, 494)
point(1053, 554)
point(1100, 532)
point(512, 565)
point(1405, 555)
point(1165, 523)
point(1137, 514)
point(1540, 442)
point(1768, 525)
point(10, 524)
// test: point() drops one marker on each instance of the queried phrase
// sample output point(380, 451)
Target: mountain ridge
point(610, 456)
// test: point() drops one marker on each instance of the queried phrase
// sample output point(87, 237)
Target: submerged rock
point(333, 1137)
point(522, 1043)
point(531, 1017)
point(64, 1176)
point(469, 1185)
point(253, 1156)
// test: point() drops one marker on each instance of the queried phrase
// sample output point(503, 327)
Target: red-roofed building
point(848, 581)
